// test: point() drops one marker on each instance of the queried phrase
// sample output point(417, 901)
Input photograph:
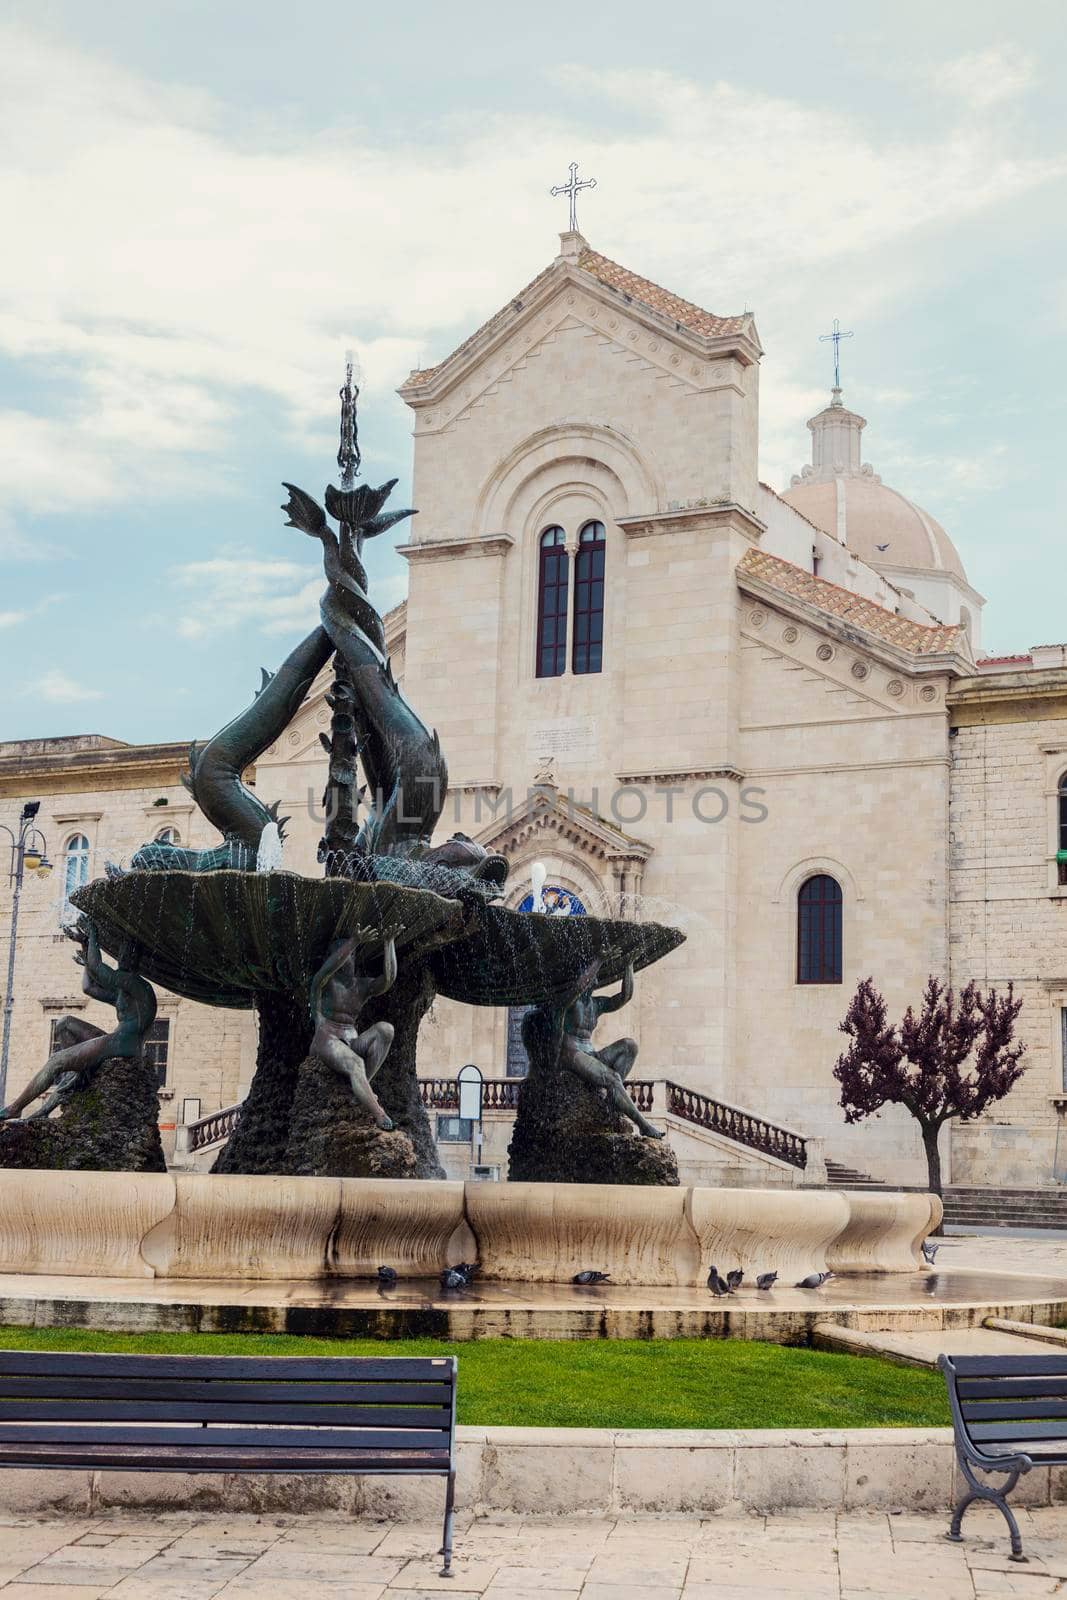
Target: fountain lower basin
point(251, 1228)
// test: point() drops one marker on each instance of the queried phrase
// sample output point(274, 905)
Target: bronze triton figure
point(604, 1069)
point(339, 992)
point(134, 1001)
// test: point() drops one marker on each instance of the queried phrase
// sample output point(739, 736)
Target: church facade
point(764, 717)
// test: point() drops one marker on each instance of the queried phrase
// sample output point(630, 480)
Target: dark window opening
point(819, 917)
point(1061, 833)
point(454, 1130)
point(552, 589)
point(587, 654)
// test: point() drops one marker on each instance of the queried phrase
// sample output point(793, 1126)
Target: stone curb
point(583, 1471)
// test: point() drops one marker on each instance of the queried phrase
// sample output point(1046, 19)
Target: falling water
point(269, 854)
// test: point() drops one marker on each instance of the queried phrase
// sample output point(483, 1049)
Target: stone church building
point(765, 717)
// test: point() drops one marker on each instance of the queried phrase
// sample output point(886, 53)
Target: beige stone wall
point(211, 1051)
point(1008, 921)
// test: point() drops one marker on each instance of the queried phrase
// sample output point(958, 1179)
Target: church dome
point(849, 501)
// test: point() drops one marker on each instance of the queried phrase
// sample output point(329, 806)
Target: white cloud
point(57, 687)
point(10, 619)
point(178, 265)
point(230, 591)
point(986, 77)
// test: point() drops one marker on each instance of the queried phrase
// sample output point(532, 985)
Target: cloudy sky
point(205, 202)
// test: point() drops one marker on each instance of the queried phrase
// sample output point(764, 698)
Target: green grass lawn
point(606, 1383)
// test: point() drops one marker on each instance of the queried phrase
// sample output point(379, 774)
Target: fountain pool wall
point(242, 1228)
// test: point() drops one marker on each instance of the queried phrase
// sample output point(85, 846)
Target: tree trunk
point(258, 1143)
point(931, 1134)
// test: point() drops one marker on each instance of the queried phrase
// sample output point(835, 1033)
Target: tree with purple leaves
point(923, 1064)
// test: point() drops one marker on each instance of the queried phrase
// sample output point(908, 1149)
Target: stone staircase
point(838, 1176)
point(1006, 1208)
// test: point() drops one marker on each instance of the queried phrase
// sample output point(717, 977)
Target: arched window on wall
point(75, 864)
point(588, 652)
point(552, 587)
point(1061, 830)
point(819, 920)
point(167, 836)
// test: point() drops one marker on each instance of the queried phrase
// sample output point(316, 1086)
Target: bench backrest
point(400, 1402)
point(1008, 1400)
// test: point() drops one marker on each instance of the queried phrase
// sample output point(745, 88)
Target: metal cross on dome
point(836, 337)
point(572, 190)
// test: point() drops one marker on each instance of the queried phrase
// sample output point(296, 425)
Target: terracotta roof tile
point(612, 276)
point(984, 663)
point(918, 638)
point(655, 298)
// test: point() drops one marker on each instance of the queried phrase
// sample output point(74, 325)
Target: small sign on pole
point(471, 1092)
point(471, 1088)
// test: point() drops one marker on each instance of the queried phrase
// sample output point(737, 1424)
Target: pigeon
point(452, 1278)
point(766, 1280)
point(814, 1280)
point(734, 1279)
point(717, 1285)
point(587, 1278)
point(386, 1275)
point(929, 1252)
point(469, 1269)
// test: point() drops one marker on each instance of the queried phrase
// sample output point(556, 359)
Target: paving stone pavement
point(789, 1556)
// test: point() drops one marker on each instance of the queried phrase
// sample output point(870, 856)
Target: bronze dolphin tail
point(216, 770)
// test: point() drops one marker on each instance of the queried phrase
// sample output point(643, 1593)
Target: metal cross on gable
point(572, 189)
point(836, 337)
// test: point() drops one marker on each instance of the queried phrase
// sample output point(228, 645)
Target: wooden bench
point(1009, 1414)
point(232, 1414)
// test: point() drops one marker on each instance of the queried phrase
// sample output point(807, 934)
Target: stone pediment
point(681, 343)
point(546, 815)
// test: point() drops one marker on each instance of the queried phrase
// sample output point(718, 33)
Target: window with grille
point(157, 1049)
point(819, 926)
point(1061, 832)
point(167, 836)
point(587, 654)
point(552, 589)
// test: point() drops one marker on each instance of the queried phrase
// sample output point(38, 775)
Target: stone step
point(1005, 1208)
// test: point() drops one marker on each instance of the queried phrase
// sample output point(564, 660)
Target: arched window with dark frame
point(819, 928)
point(553, 580)
point(587, 653)
point(1061, 830)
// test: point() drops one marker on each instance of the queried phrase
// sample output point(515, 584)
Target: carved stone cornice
point(692, 775)
point(681, 519)
point(482, 544)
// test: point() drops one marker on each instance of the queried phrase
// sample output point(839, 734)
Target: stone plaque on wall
point(564, 736)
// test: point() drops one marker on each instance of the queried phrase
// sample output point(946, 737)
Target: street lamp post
point(27, 855)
